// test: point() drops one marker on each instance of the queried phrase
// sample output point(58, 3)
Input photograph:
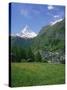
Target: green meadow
point(33, 74)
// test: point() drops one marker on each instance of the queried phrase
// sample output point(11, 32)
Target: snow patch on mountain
point(26, 32)
point(53, 23)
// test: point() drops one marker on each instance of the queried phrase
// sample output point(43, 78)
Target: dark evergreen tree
point(16, 52)
point(23, 53)
point(38, 57)
point(30, 55)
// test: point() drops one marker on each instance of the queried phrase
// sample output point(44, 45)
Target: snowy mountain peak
point(26, 29)
point(26, 32)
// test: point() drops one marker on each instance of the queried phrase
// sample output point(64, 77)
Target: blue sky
point(34, 15)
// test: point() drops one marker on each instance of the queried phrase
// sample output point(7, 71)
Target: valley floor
point(32, 74)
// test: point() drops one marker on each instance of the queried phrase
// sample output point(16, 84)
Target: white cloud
point(50, 7)
point(27, 13)
point(54, 22)
point(24, 12)
point(56, 16)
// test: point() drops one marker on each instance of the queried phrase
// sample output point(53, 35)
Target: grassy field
point(30, 74)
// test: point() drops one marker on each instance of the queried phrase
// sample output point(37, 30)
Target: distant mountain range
point(51, 39)
point(26, 32)
point(47, 36)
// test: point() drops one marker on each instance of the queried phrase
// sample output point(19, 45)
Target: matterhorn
point(26, 32)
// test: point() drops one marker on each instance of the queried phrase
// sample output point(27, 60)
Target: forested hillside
point(49, 45)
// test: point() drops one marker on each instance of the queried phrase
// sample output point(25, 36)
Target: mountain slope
point(51, 37)
point(50, 42)
point(20, 42)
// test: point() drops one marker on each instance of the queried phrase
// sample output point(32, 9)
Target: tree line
point(19, 54)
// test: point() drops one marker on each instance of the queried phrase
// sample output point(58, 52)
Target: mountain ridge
point(50, 40)
point(26, 32)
